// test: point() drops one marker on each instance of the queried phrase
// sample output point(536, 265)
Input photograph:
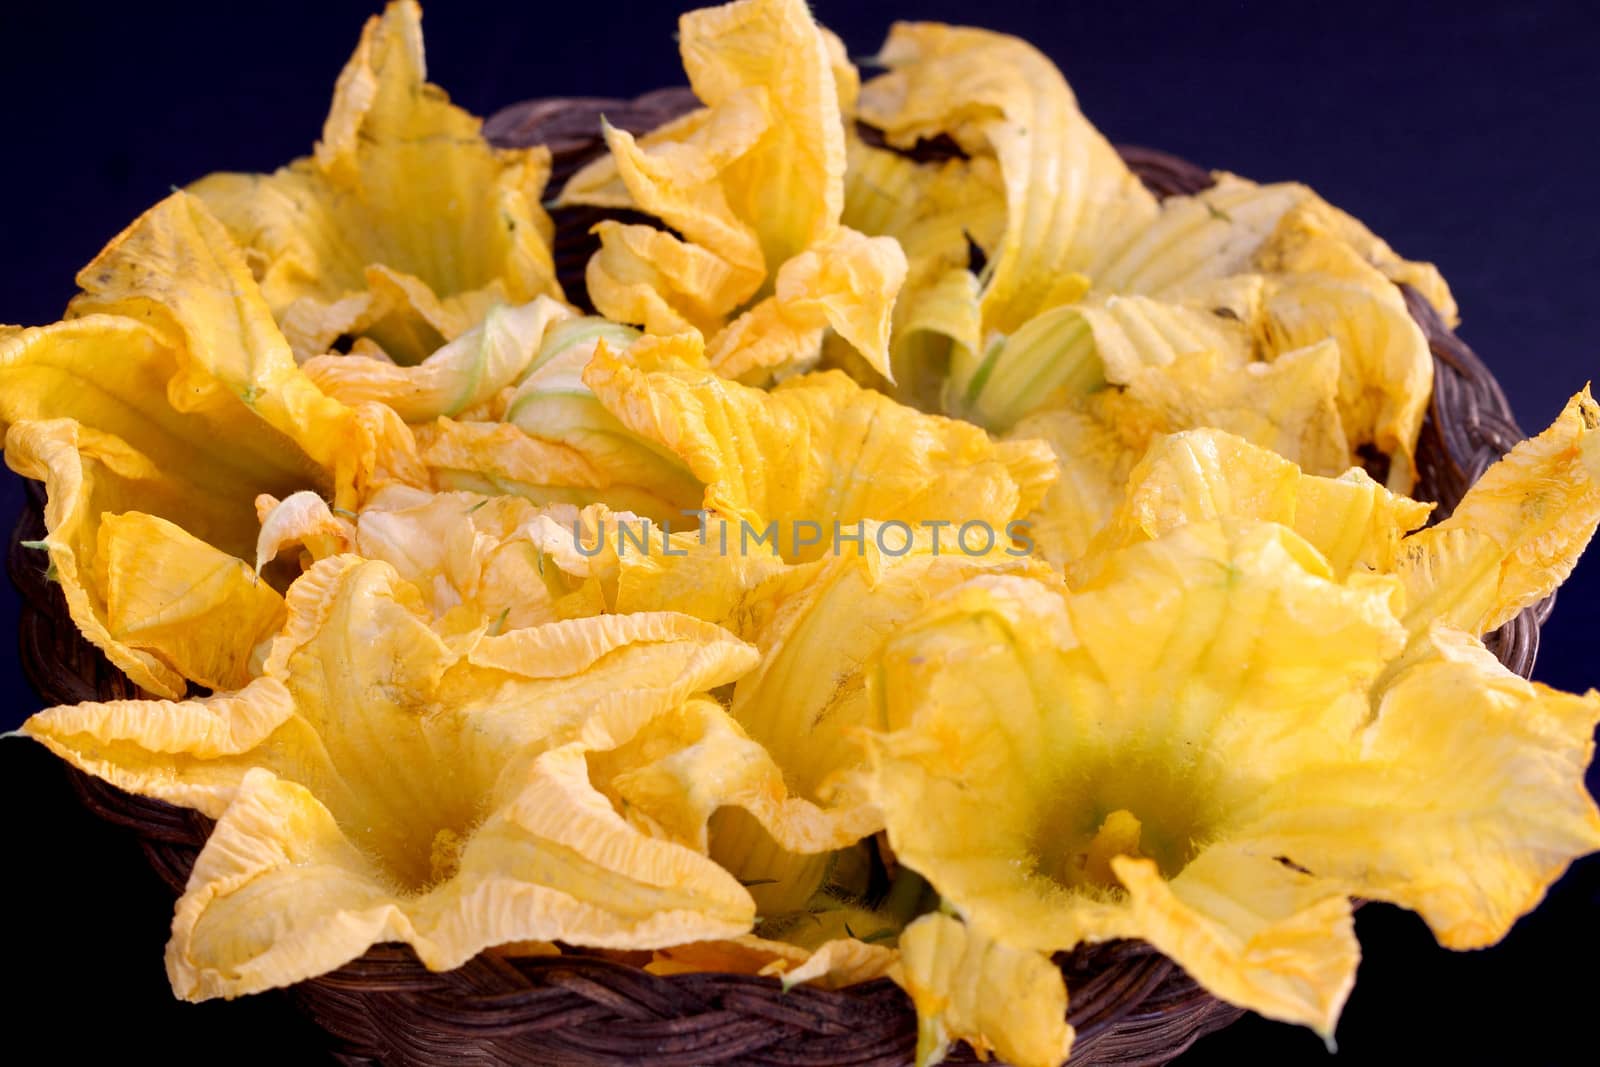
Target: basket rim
point(1126, 998)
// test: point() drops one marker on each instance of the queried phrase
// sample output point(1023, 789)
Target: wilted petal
point(969, 988)
point(118, 566)
point(178, 268)
point(816, 449)
point(1068, 193)
point(832, 965)
point(1200, 475)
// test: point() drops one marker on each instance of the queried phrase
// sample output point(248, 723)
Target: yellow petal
point(90, 475)
point(1251, 930)
point(847, 282)
point(791, 187)
point(1062, 355)
point(1199, 475)
point(1516, 534)
point(832, 965)
point(470, 556)
point(753, 188)
point(280, 894)
point(498, 459)
point(936, 212)
point(304, 519)
point(1327, 291)
point(817, 449)
point(1195, 240)
point(967, 987)
point(1483, 770)
point(1423, 277)
point(1094, 462)
point(1289, 406)
point(686, 765)
point(122, 378)
point(200, 610)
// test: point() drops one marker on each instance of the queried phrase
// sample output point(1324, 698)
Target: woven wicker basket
point(1129, 1004)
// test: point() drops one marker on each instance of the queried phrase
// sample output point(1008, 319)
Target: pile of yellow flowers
point(986, 523)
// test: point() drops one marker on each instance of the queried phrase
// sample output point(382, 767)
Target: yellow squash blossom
point(786, 752)
point(1302, 284)
point(754, 184)
point(1011, 339)
point(1203, 475)
point(405, 226)
point(1511, 540)
point(379, 782)
point(1196, 240)
point(169, 392)
point(1204, 747)
point(163, 605)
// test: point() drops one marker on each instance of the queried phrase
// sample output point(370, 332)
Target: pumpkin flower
point(380, 782)
point(1205, 747)
point(405, 226)
point(754, 184)
point(1013, 329)
point(472, 558)
point(168, 350)
point(769, 785)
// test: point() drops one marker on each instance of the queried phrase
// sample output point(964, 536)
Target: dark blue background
point(1462, 134)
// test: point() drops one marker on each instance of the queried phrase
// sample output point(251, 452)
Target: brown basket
point(1129, 1004)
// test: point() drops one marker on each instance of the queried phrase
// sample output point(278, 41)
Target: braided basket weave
point(1129, 1004)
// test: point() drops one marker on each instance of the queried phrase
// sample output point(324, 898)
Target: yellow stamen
point(1118, 836)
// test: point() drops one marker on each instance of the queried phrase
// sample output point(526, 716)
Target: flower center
point(1139, 808)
